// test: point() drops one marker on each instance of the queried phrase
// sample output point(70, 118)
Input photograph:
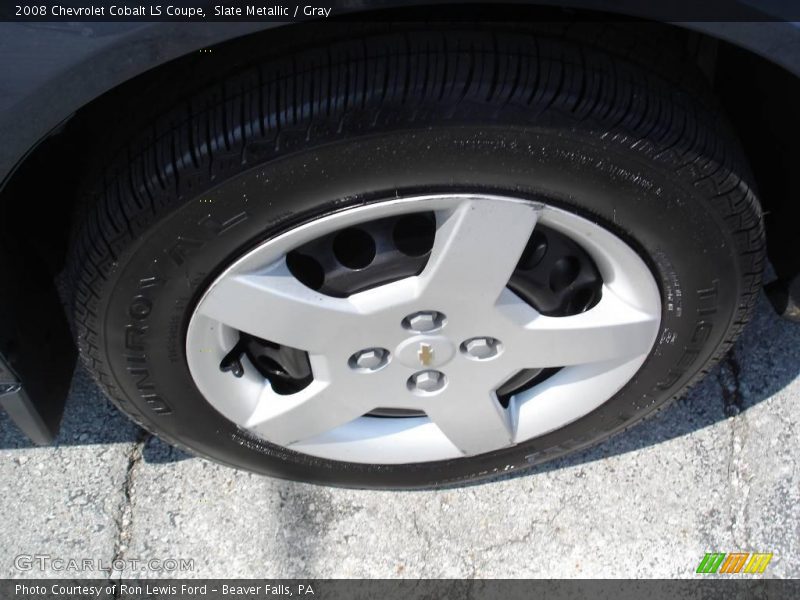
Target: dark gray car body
point(50, 71)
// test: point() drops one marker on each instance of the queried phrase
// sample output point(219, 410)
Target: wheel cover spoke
point(476, 249)
point(473, 422)
point(271, 303)
point(612, 329)
point(304, 415)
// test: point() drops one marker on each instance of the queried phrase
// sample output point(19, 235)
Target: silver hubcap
point(440, 343)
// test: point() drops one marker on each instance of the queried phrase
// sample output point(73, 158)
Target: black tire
point(292, 139)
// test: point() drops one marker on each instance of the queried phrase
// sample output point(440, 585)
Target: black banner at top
point(198, 11)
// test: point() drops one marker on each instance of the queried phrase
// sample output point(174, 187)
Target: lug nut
point(427, 381)
point(481, 348)
point(424, 321)
point(370, 359)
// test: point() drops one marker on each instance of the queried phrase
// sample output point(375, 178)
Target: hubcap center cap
point(425, 351)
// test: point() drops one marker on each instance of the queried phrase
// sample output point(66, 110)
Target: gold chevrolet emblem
point(425, 355)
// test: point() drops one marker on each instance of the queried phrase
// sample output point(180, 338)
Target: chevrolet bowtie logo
point(425, 355)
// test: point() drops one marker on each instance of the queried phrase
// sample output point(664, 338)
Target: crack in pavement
point(732, 397)
point(733, 405)
point(124, 519)
point(422, 534)
point(523, 539)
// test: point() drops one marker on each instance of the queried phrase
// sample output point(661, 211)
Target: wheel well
point(761, 101)
point(763, 113)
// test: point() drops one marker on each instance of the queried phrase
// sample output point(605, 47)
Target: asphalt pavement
point(718, 471)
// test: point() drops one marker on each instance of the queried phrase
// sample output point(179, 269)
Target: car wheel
point(416, 260)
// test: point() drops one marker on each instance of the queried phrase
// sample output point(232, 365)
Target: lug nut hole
point(424, 321)
point(306, 269)
point(427, 383)
point(481, 348)
point(413, 234)
point(369, 360)
point(354, 248)
point(565, 272)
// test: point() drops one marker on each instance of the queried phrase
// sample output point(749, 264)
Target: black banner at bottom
point(386, 589)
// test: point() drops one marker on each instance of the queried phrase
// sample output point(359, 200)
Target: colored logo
point(425, 355)
point(734, 562)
